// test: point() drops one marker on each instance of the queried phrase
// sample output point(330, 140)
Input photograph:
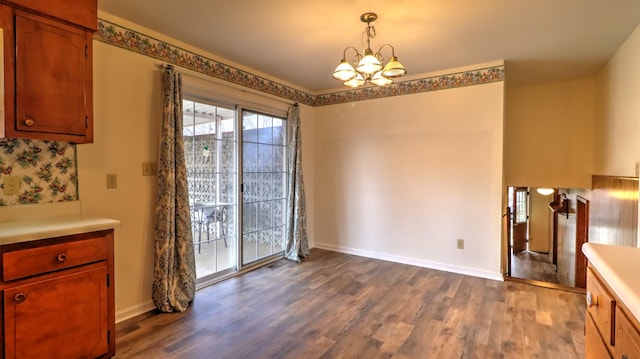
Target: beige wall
point(127, 117)
point(549, 135)
point(540, 222)
point(402, 178)
point(617, 149)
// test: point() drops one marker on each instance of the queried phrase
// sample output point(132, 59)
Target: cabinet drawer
point(595, 348)
point(33, 261)
point(627, 338)
point(601, 307)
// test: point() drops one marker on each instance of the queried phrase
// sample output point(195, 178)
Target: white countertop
point(54, 226)
point(619, 267)
point(32, 222)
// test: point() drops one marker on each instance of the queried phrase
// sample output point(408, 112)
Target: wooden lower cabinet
point(627, 337)
point(610, 330)
point(595, 346)
point(64, 312)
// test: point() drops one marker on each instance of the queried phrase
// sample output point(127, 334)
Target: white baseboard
point(135, 310)
point(413, 261)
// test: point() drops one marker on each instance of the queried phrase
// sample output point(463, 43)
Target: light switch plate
point(11, 185)
point(112, 180)
point(149, 168)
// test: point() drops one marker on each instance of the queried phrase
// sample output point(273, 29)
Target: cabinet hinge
point(108, 336)
point(107, 280)
point(86, 121)
point(86, 51)
point(241, 187)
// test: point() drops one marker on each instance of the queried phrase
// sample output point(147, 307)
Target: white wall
point(549, 135)
point(402, 178)
point(617, 148)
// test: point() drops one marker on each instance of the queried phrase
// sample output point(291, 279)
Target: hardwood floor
point(336, 305)
point(534, 266)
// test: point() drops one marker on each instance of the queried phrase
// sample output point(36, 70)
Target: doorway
point(237, 184)
point(557, 224)
point(530, 228)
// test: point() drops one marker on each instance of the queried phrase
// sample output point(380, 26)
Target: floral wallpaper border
point(47, 170)
point(125, 38)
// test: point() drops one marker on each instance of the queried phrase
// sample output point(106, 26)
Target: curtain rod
point(218, 81)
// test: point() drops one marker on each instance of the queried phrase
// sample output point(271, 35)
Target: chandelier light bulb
point(380, 80)
point(393, 68)
point(344, 71)
point(356, 81)
point(369, 63)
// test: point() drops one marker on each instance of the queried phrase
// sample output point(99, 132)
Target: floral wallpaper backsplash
point(47, 170)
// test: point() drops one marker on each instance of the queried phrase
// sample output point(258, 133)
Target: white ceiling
point(301, 41)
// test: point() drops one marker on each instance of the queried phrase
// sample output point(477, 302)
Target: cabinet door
point(595, 347)
point(53, 78)
point(63, 317)
point(627, 338)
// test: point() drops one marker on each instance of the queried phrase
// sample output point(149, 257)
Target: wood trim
point(613, 213)
point(582, 236)
point(538, 283)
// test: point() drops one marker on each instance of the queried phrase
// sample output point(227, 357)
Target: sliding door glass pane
point(264, 179)
point(210, 151)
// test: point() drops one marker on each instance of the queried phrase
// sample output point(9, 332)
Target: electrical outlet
point(11, 185)
point(112, 180)
point(149, 168)
point(460, 243)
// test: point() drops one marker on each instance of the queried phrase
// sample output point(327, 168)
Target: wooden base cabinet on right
point(627, 337)
point(610, 330)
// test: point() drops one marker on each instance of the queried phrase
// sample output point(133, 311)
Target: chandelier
point(368, 67)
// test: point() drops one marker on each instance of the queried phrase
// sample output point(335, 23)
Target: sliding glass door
point(210, 139)
point(212, 157)
point(264, 169)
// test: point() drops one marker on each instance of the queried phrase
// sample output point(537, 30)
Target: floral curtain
point(296, 242)
point(174, 282)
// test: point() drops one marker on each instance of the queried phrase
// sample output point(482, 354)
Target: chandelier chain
point(370, 33)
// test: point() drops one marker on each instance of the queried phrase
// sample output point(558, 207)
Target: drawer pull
point(20, 297)
point(624, 356)
point(62, 257)
point(29, 122)
point(591, 300)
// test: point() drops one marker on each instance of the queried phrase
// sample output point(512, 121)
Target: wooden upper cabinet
point(52, 77)
point(83, 13)
point(48, 74)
